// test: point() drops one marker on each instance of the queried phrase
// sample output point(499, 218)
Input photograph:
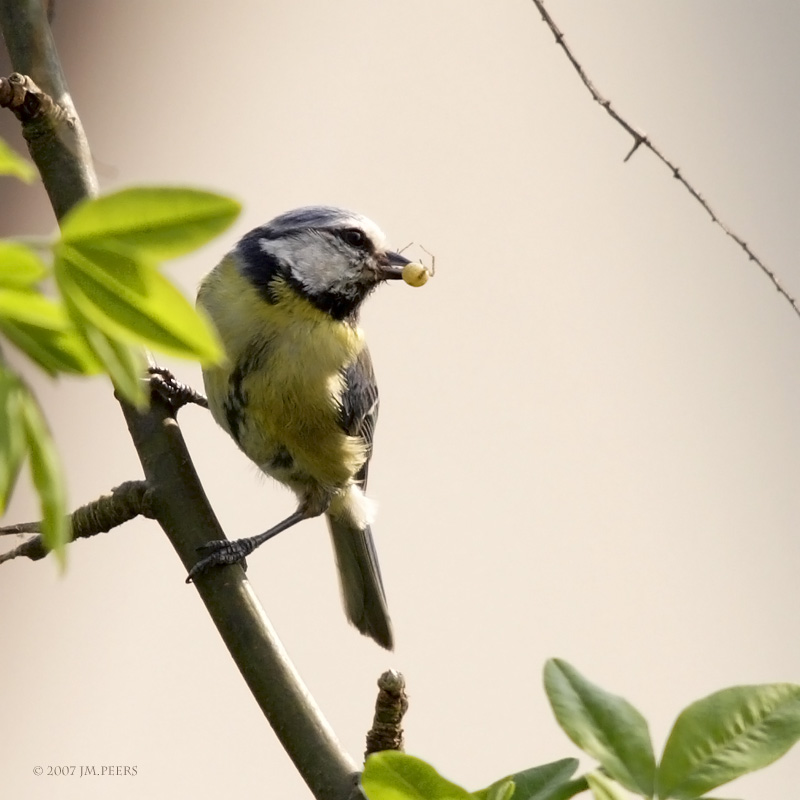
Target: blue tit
point(297, 392)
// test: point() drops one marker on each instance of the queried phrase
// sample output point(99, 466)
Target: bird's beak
point(391, 266)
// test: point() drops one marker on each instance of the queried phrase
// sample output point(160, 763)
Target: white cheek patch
point(312, 261)
point(320, 261)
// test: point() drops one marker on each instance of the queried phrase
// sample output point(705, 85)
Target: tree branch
point(50, 125)
point(186, 517)
point(639, 139)
point(59, 149)
point(123, 503)
point(386, 732)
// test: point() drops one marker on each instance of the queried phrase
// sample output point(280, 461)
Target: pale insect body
point(416, 273)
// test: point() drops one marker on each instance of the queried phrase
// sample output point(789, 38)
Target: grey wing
point(360, 406)
point(356, 559)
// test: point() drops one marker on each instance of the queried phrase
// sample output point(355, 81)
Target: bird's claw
point(217, 553)
point(172, 391)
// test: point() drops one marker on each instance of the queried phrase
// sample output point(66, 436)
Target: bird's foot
point(223, 551)
point(172, 391)
point(218, 553)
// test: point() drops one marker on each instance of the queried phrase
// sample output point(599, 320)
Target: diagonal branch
point(178, 499)
point(188, 520)
point(640, 140)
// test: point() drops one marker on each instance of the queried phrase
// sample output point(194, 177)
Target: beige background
point(590, 441)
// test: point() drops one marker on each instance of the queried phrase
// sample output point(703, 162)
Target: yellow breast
point(280, 391)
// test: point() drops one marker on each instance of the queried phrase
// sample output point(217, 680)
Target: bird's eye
point(354, 237)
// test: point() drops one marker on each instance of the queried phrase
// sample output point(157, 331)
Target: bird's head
point(332, 257)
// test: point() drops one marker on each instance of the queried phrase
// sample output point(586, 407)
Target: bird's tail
point(360, 575)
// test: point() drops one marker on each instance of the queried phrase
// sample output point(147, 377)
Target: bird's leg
point(225, 551)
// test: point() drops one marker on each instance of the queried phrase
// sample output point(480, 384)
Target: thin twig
point(640, 140)
point(125, 502)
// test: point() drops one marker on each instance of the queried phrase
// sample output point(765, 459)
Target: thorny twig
point(641, 140)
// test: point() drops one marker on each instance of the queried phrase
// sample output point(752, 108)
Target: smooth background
point(589, 444)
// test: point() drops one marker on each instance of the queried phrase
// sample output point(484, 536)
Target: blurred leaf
point(491, 791)
point(15, 165)
point(26, 305)
point(124, 364)
point(12, 433)
point(569, 789)
point(41, 328)
point(727, 734)
point(500, 790)
point(538, 783)
point(53, 350)
point(48, 478)
point(127, 298)
point(20, 266)
point(159, 222)
point(391, 775)
point(603, 788)
point(602, 724)
point(544, 782)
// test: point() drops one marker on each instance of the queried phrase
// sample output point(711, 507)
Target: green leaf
point(602, 724)
point(603, 788)
point(54, 351)
point(544, 782)
point(12, 433)
point(20, 267)
point(569, 789)
point(41, 328)
point(491, 791)
point(128, 299)
point(124, 364)
point(538, 783)
point(391, 775)
point(25, 305)
point(159, 222)
point(15, 165)
point(728, 734)
point(48, 478)
point(501, 790)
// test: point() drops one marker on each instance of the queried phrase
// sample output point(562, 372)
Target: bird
point(297, 392)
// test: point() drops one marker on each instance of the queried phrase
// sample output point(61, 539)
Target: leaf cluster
point(713, 741)
point(88, 303)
